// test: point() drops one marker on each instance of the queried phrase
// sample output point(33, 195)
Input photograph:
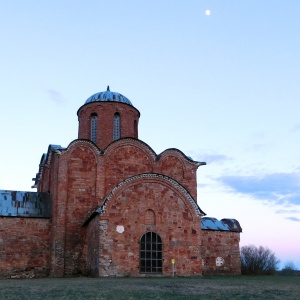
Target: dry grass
point(214, 287)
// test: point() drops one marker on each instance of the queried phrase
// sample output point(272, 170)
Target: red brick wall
point(80, 178)
point(58, 191)
point(175, 221)
point(125, 160)
point(81, 200)
point(24, 247)
point(93, 247)
point(173, 163)
point(223, 244)
point(105, 112)
point(173, 167)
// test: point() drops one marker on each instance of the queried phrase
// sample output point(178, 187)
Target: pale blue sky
point(222, 88)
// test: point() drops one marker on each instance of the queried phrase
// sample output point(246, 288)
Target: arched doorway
point(151, 255)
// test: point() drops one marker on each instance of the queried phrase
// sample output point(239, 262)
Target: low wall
point(220, 252)
point(24, 247)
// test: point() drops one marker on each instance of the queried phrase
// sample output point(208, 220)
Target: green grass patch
point(207, 287)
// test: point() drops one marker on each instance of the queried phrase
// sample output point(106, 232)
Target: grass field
point(214, 287)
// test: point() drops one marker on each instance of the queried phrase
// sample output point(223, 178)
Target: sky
point(223, 88)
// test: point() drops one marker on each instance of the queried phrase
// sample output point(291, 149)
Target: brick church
point(108, 205)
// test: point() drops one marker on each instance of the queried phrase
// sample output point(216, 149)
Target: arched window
point(94, 128)
point(151, 256)
point(117, 131)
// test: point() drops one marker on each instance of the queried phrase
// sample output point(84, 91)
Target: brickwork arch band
point(153, 177)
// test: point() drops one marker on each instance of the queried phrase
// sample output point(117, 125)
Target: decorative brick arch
point(153, 177)
point(85, 143)
point(180, 156)
point(134, 143)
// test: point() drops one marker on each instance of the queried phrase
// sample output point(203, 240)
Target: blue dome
point(108, 96)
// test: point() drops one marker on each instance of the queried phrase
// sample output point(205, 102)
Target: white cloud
point(55, 96)
point(276, 188)
point(293, 219)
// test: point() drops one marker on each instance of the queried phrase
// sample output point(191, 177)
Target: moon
point(207, 12)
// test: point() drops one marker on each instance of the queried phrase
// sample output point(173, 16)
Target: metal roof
point(25, 204)
point(108, 96)
point(208, 223)
point(43, 162)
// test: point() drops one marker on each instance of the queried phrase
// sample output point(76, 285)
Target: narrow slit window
point(117, 130)
point(94, 128)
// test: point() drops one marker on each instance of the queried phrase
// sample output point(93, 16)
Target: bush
point(258, 261)
point(289, 268)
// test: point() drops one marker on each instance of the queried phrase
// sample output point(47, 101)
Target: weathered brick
point(24, 251)
point(105, 197)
